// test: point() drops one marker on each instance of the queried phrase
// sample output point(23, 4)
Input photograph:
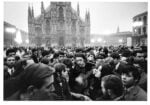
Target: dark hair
point(92, 53)
point(114, 83)
point(61, 53)
point(106, 70)
point(56, 55)
point(17, 58)
point(130, 68)
point(115, 55)
point(67, 62)
point(126, 53)
point(59, 67)
point(34, 75)
point(80, 55)
point(105, 50)
point(10, 51)
point(33, 50)
point(45, 52)
point(45, 61)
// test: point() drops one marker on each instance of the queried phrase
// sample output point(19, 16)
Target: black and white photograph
point(74, 50)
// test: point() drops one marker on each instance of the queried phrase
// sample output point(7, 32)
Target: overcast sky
point(105, 16)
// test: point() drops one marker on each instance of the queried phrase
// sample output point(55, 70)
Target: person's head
point(36, 78)
point(61, 55)
point(11, 52)
point(140, 55)
point(111, 86)
point(10, 61)
point(34, 52)
point(45, 60)
point(130, 76)
point(68, 63)
point(90, 57)
point(116, 57)
point(45, 53)
point(126, 53)
point(105, 50)
point(106, 70)
point(80, 59)
point(61, 70)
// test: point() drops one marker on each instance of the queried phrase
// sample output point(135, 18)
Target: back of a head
point(115, 55)
point(34, 75)
point(11, 50)
point(106, 70)
point(45, 52)
point(126, 53)
point(59, 67)
point(45, 60)
point(114, 83)
point(67, 62)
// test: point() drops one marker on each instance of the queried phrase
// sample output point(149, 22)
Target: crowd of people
point(65, 73)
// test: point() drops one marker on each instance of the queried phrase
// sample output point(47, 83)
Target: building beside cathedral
point(58, 25)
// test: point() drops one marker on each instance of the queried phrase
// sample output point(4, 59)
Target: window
point(61, 13)
point(139, 31)
point(134, 20)
point(144, 30)
point(47, 27)
point(145, 20)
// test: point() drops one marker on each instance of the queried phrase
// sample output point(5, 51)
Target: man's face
point(61, 57)
point(127, 79)
point(80, 62)
point(116, 61)
point(140, 56)
point(11, 61)
point(90, 57)
point(65, 73)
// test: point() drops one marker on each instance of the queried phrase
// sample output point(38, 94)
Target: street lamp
point(92, 40)
point(12, 31)
point(99, 40)
point(120, 41)
point(18, 38)
point(27, 41)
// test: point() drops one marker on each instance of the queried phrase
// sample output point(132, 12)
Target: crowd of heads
point(79, 73)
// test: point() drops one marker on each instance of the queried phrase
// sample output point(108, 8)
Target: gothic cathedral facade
point(58, 25)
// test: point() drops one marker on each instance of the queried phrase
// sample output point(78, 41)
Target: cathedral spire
point(32, 11)
point(78, 9)
point(118, 30)
point(29, 12)
point(42, 7)
point(89, 15)
point(86, 16)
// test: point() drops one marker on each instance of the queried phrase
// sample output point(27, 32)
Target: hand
point(79, 80)
point(86, 98)
point(94, 71)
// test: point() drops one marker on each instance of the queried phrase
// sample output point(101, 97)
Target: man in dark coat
point(77, 82)
point(34, 83)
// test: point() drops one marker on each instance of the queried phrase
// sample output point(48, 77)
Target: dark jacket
point(136, 94)
point(74, 73)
